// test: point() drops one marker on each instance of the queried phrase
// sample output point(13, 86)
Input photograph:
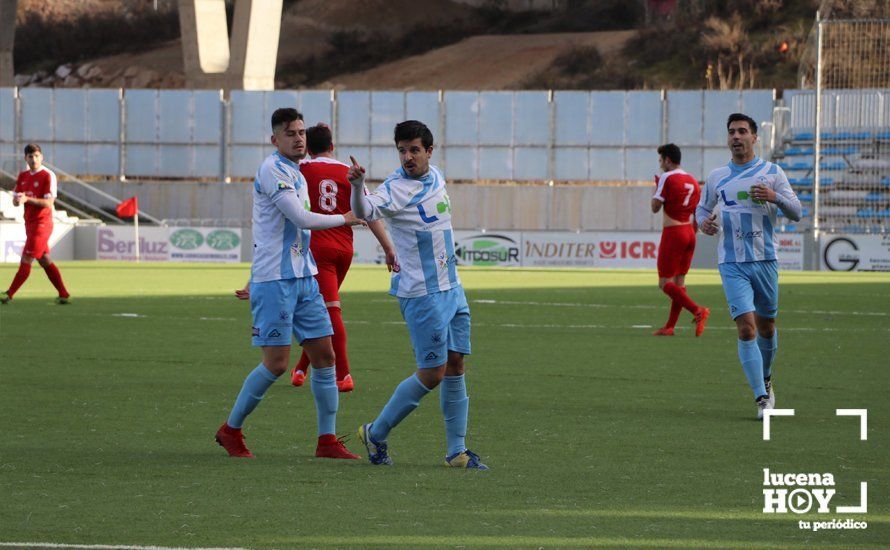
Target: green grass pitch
point(597, 433)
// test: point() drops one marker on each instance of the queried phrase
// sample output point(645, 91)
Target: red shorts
point(333, 263)
point(676, 250)
point(37, 240)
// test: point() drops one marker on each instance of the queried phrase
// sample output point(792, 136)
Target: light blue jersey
point(747, 232)
point(419, 213)
point(280, 248)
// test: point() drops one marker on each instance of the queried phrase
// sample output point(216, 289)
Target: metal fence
point(515, 136)
point(845, 124)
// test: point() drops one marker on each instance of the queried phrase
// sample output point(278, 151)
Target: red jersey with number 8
point(679, 192)
point(329, 192)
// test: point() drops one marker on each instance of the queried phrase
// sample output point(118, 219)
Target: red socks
point(56, 279)
point(676, 308)
point(20, 277)
point(678, 294)
point(339, 342)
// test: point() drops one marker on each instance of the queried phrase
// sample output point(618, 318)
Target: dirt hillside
point(481, 62)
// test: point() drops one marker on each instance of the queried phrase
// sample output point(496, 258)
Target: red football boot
point(346, 385)
point(232, 440)
point(297, 377)
point(331, 447)
point(701, 319)
point(664, 331)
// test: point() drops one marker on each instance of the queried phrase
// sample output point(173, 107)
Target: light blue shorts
point(437, 323)
point(285, 306)
point(751, 286)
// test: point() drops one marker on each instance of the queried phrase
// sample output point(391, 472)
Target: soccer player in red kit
point(35, 188)
point(678, 192)
point(329, 192)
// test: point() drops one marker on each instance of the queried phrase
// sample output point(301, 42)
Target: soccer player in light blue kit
point(284, 296)
point(749, 191)
point(430, 295)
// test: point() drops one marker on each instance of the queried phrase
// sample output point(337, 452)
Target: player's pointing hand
point(356, 173)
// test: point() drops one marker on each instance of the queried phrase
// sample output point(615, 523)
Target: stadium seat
point(885, 180)
point(834, 165)
point(835, 150)
point(798, 151)
point(803, 136)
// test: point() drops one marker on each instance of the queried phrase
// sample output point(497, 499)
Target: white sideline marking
point(767, 413)
point(133, 315)
point(101, 546)
point(863, 420)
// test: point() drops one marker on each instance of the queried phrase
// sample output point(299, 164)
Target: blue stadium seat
point(805, 197)
point(803, 136)
point(835, 150)
point(798, 151)
point(885, 180)
point(865, 213)
point(883, 135)
point(834, 165)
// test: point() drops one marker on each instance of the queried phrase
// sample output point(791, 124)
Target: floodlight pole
point(817, 147)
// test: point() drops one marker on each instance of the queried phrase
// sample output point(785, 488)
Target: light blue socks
point(327, 399)
point(768, 348)
point(404, 400)
point(455, 409)
point(752, 364)
point(255, 386)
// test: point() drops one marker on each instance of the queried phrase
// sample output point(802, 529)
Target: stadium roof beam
point(246, 61)
point(7, 40)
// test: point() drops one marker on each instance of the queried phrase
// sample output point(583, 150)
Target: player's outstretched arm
point(290, 206)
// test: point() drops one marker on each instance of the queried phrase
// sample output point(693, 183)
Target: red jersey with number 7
point(329, 192)
point(679, 192)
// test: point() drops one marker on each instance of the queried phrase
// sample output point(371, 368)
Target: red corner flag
point(128, 208)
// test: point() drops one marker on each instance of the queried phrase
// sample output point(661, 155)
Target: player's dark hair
point(411, 130)
point(735, 117)
point(319, 139)
point(32, 148)
point(670, 151)
point(284, 116)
